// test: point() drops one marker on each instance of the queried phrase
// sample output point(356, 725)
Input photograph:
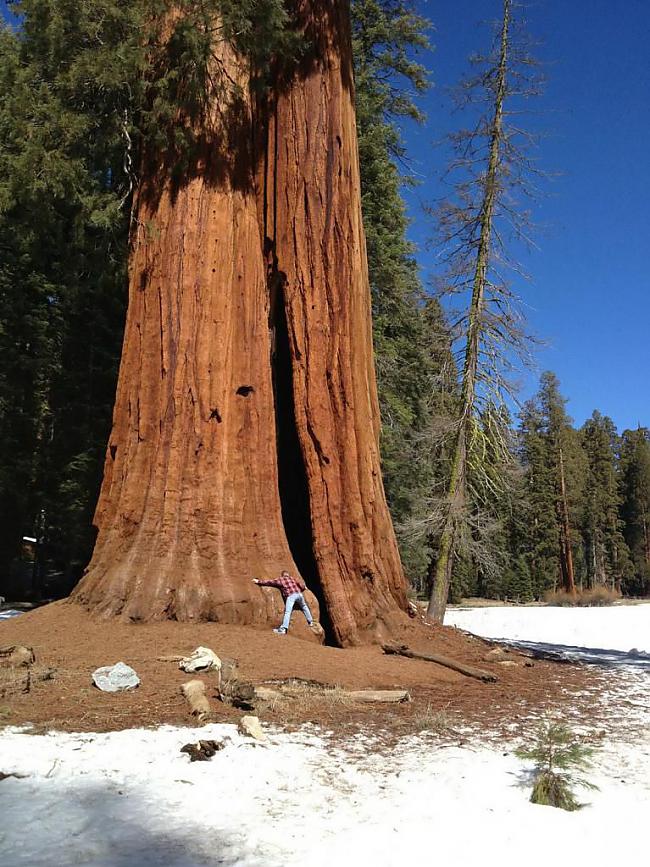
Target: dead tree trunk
point(245, 430)
point(441, 570)
point(566, 557)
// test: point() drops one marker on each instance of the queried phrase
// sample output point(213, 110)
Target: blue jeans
point(299, 600)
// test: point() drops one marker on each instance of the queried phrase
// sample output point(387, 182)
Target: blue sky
point(590, 294)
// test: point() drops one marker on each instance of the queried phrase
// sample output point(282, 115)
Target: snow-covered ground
point(619, 633)
point(306, 799)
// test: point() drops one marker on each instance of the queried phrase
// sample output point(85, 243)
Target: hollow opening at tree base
point(292, 476)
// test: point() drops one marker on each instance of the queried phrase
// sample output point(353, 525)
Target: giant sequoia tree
point(245, 429)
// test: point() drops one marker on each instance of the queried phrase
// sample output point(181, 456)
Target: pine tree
point(559, 759)
point(607, 557)
point(635, 506)
point(565, 458)
point(541, 534)
point(555, 477)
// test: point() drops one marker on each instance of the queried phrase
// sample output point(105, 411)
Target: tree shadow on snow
point(590, 655)
point(113, 826)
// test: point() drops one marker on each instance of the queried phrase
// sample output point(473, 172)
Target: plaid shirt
point(285, 584)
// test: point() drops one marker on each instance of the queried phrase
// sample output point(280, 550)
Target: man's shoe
point(280, 630)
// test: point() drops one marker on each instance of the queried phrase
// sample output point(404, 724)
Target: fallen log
point(478, 673)
point(289, 690)
point(265, 693)
point(194, 692)
point(386, 696)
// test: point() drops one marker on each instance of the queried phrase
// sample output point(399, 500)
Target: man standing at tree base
point(291, 590)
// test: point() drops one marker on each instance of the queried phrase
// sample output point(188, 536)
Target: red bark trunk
point(189, 509)
point(202, 489)
point(313, 218)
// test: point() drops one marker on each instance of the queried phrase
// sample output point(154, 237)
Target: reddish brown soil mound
point(64, 636)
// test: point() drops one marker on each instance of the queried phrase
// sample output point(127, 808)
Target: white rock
point(115, 678)
point(251, 727)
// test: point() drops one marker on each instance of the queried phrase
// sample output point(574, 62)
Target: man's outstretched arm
point(271, 582)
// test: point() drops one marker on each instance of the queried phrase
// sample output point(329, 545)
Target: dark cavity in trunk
point(292, 477)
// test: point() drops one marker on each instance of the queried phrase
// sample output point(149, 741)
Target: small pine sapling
point(559, 758)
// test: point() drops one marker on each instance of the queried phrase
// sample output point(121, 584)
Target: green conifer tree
point(411, 340)
point(635, 508)
point(606, 553)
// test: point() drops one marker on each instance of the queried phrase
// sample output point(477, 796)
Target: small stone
point(495, 654)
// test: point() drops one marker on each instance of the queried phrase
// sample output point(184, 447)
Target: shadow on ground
point(44, 824)
point(591, 655)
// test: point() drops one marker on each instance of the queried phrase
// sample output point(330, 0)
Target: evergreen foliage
point(607, 556)
point(559, 760)
point(63, 238)
point(411, 341)
point(634, 474)
point(541, 535)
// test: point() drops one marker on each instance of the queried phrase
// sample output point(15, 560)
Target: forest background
point(68, 147)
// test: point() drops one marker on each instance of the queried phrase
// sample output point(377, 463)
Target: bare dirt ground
point(68, 639)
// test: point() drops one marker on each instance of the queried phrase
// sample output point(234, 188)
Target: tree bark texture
point(245, 430)
point(313, 220)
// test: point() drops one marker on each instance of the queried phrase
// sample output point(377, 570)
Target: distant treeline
point(579, 502)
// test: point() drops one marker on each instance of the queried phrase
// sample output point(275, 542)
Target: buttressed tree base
point(246, 424)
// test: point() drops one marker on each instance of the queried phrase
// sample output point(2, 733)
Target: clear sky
point(590, 294)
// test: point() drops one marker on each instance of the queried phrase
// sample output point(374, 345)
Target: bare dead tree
point(492, 181)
